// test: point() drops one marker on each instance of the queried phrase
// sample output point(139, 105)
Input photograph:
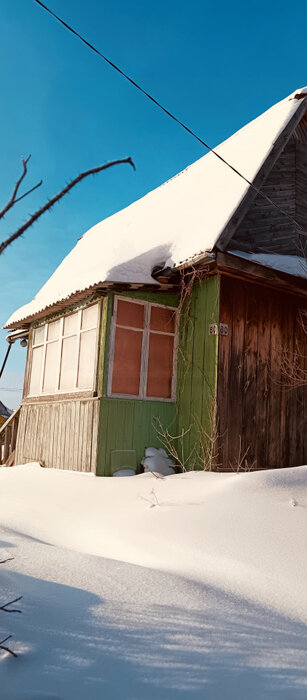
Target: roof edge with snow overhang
point(207, 201)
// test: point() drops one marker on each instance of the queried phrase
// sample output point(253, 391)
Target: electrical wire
point(169, 114)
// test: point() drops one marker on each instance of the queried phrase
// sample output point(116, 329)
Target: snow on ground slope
point(190, 586)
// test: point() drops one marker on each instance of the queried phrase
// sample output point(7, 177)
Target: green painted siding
point(128, 424)
point(197, 370)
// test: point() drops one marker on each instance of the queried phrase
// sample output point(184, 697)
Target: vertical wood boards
point(264, 227)
point(127, 424)
point(255, 399)
point(197, 370)
point(60, 434)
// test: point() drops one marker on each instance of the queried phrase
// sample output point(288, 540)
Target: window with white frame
point(143, 350)
point(63, 355)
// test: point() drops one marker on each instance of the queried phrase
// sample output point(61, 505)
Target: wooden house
point(180, 314)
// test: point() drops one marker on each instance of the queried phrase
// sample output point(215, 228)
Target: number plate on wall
point(218, 329)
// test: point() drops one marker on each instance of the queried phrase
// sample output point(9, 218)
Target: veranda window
point(143, 350)
point(63, 354)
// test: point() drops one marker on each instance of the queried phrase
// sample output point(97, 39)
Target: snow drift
point(244, 533)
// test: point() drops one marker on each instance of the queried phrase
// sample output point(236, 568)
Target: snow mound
point(242, 533)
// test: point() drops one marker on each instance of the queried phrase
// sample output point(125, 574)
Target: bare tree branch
point(28, 192)
point(5, 560)
point(7, 648)
point(14, 198)
point(57, 197)
point(5, 607)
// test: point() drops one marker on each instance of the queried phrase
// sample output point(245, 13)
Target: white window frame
point(61, 337)
point(145, 349)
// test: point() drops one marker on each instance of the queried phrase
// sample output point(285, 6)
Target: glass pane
point(70, 324)
point(51, 372)
point(162, 319)
point(130, 314)
point(89, 317)
point(160, 366)
point(36, 370)
point(69, 363)
point(87, 360)
point(127, 362)
point(53, 330)
point(38, 336)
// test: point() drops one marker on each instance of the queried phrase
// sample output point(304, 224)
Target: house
point(178, 315)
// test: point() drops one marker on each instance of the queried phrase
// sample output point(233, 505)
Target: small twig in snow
point(11, 610)
point(7, 648)
point(156, 474)
point(5, 560)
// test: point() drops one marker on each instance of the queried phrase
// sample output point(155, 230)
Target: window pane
point(160, 366)
point(127, 362)
point(130, 314)
point(38, 336)
point(87, 360)
point(89, 317)
point(51, 368)
point(162, 319)
point(36, 370)
point(69, 363)
point(70, 324)
point(53, 330)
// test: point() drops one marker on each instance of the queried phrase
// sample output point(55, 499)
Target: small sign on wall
point(218, 329)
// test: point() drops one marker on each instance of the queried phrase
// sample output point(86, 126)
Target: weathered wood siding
point(128, 424)
point(197, 370)
point(265, 228)
point(60, 434)
point(260, 414)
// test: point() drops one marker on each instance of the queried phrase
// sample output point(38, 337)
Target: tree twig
point(28, 192)
point(5, 560)
point(14, 198)
point(57, 197)
point(7, 648)
point(5, 607)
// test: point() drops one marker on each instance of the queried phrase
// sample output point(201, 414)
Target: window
point(63, 356)
point(142, 350)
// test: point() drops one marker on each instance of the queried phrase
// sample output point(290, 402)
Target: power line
point(8, 388)
point(166, 111)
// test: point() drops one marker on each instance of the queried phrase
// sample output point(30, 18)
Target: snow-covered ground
point(191, 586)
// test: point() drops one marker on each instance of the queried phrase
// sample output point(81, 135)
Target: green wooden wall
point(197, 373)
point(128, 424)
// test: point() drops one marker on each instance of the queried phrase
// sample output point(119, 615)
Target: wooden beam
point(246, 269)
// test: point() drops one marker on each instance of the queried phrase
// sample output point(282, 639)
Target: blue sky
point(216, 65)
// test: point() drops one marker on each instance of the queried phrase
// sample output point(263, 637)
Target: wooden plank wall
point(60, 434)
point(197, 369)
point(128, 424)
point(260, 412)
point(265, 228)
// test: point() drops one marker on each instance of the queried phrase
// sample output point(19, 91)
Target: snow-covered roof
point(175, 222)
point(291, 264)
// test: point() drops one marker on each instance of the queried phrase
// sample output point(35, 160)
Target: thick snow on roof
point(174, 222)
point(291, 264)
